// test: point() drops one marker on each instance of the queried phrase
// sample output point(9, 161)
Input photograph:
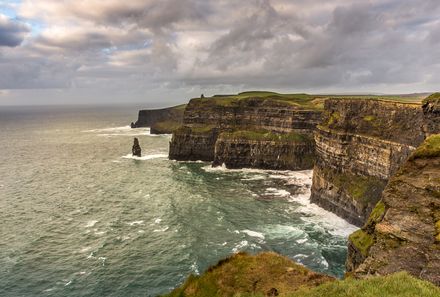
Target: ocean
point(81, 217)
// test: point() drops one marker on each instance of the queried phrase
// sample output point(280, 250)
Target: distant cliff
point(161, 121)
point(360, 144)
point(403, 231)
point(257, 129)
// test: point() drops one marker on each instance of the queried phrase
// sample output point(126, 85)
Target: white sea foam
point(85, 249)
point(157, 221)
point(91, 223)
point(301, 241)
point(253, 233)
point(195, 268)
point(134, 223)
point(240, 246)
point(277, 192)
point(315, 214)
point(146, 157)
point(162, 230)
point(283, 231)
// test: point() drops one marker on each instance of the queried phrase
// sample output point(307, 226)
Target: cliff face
point(212, 126)
point(359, 145)
point(238, 150)
point(161, 121)
point(403, 231)
point(431, 110)
point(193, 144)
point(254, 112)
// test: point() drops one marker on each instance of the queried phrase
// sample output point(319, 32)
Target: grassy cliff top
point(268, 273)
point(430, 148)
point(243, 273)
point(304, 101)
point(435, 98)
point(301, 100)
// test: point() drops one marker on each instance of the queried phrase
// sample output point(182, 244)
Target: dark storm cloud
point(11, 32)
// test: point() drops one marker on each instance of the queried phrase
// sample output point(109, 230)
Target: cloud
point(153, 46)
point(12, 32)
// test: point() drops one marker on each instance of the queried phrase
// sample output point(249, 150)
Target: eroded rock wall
point(265, 154)
point(359, 145)
point(403, 230)
point(255, 113)
point(187, 144)
point(201, 116)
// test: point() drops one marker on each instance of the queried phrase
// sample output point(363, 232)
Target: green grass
point(435, 98)
point(263, 135)
point(430, 148)
point(396, 285)
point(437, 229)
point(369, 118)
point(242, 274)
point(377, 213)
point(362, 241)
point(167, 126)
point(360, 188)
point(301, 100)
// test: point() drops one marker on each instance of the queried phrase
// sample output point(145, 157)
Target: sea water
point(81, 217)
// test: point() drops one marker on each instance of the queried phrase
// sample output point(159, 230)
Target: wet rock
point(136, 149)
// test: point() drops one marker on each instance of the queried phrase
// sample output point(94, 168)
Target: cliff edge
point(161, 121)
point(403, 230)
point(360, 144)
point(251, 129)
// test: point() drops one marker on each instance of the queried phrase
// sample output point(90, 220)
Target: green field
point(306, 101)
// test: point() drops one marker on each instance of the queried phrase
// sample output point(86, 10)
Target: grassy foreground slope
point(270, 274)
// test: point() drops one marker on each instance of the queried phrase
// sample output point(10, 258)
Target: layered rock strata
point(359, 145)
point(278, 151)
point(210, 124)
point(403, 230)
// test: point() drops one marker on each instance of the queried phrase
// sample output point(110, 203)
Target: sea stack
point(136, 150)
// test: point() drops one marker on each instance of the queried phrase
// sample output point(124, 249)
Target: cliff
point(431, 110)
point(161, 121)
point(359, 145)
point(252, 129)
point(403, 231)
point(264, 150)
point(269, 274)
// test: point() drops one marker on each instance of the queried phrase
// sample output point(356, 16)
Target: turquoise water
point(81, 217)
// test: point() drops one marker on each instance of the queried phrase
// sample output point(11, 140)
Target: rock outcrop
point(359, 145)
point(136, 149)
point(264, 274)
point(431, 110)
point(403, 230)
point(161, 121)
point(278, 131)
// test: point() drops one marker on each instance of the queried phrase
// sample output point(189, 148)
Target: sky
point(164, 52)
